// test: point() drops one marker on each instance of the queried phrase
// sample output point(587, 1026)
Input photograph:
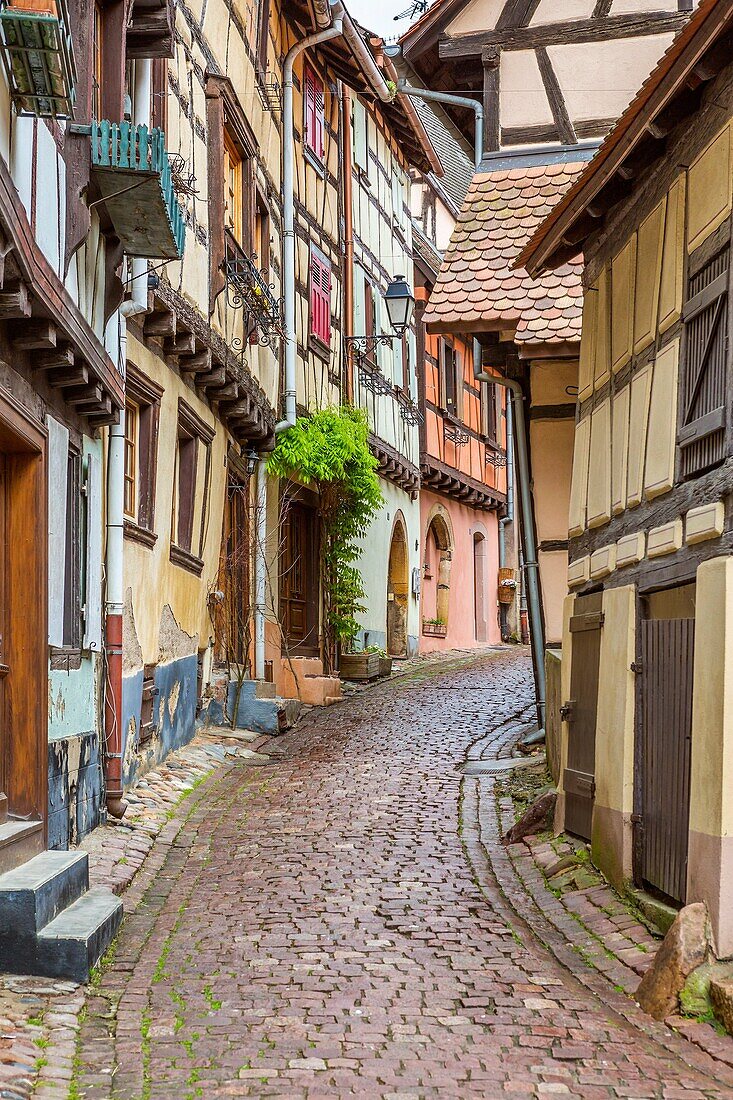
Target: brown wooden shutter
point(704, 369)
point(215, 165)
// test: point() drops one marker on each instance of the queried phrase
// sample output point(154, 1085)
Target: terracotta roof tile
point(477, 283)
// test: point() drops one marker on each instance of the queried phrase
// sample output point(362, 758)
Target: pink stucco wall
point(462, 524)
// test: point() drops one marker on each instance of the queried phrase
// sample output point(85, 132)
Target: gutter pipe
point(531, 565)
point(403, 88)
point(509, 517)
point(115, 518)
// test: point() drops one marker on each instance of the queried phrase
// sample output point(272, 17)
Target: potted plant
point(436, 628)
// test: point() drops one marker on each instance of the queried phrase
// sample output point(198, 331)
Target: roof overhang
point(667, 98)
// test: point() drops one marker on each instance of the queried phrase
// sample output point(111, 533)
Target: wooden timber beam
point(200, 363)
point(183, 343)
point(15, 302)
point(65, 377)
point(61, 358)
point(81, 397)
point(33, 335)
point(160, 324)
point(562, 33)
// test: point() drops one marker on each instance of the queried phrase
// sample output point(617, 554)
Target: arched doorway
point(479, 586)
point(438, 558)
point(397, 590)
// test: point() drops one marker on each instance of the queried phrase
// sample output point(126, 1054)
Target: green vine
point(329, 452)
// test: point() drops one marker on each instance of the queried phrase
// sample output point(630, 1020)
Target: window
point(72, 578)
point(448, 371)
point(360, 139)
point(190, 489)
point(314, 107)
point(142, 412)
point(233, 194)
point(263, 34)
point(262, 235)
point(320, 297)
point(398, 197)
point(488, 410)
point(131, 450)
point(703, 377)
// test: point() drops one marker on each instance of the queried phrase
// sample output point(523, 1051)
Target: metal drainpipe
point(509, 517)
point(403, 88)
point(531, 564)
point(115, 603)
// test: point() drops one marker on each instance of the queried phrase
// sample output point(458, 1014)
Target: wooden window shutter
point(58, 462)
point(314, 113)
point(701, 436)
point(320, 298)
point(93, 566)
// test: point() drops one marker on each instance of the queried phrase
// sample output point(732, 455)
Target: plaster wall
point(463, 524)
point(374, 562)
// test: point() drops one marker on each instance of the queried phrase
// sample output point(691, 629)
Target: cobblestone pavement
point(331, 926)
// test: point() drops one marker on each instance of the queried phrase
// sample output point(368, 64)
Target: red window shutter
point(320, 299)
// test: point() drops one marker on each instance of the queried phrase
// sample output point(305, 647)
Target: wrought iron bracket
point(247, 289)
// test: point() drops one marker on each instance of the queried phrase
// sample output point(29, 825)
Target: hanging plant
point(329, 452)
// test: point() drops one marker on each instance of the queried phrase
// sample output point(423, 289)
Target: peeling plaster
point(173, 642)
point(132, 654)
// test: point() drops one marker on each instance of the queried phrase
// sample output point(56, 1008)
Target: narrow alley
point(331, 926)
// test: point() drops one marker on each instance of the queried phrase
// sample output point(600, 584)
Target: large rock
point(721, 998)
point(535, 818)
point(683, 949)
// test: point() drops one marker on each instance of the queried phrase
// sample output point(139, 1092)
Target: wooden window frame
point(187, 544)
point(447, 350)
point(72, 579)
point(131, 462)
point(314, 114)
point(319, 297)
point(146, 396)
point(224, 115)
point(263, 36)
point(234, 220)
point(489, 412)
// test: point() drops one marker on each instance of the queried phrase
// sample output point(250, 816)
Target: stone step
point(34, 893)
point(75, 941)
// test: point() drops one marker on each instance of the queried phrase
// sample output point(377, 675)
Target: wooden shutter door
point(580, 712)
point(704, 374)
point(319, 118)
point(310, 108)
point(667, 656)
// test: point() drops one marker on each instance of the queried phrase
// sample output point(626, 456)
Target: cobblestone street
point(331, 926)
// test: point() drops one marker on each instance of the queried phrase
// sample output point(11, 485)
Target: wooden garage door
point(580, 712)
point(667, 654)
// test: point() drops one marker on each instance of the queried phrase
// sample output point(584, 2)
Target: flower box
point(434, 630)
point(385, 666)
point(359, 666)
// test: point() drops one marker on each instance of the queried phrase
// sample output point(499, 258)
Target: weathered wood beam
point(490, 57)
point(561, 33)
point(674, 113)
point(615, 190)
point(200, 363)
point(34, 335)
point(15, 302)
point(160, 324)
point(223, 393)
point(61, 358)
point(84, 396)
point(555, 98)
point(183, 343)
point(215, 377)
point(66, 377)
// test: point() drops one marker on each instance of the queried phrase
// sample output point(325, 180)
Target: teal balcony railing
point(133, 174)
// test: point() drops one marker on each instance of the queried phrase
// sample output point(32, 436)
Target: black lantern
point(400, 302)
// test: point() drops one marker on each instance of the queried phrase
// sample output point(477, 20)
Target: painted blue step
point(35, 893)
point(75, 940)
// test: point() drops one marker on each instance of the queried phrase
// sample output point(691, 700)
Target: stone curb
point(546, 920)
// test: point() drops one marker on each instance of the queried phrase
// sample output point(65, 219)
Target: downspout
point(348, 318)
point(290, 336)
point(115, 603)
point(509, 517)
point(531, 564)
point(475, 105)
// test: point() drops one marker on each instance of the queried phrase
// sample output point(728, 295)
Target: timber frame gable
point(523, 49)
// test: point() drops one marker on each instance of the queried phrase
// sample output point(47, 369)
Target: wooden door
point(667, 652)
point(580, 712)
point(299, 580)
point(236, 566)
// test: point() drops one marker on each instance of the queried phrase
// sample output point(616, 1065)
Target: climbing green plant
point(329, 452)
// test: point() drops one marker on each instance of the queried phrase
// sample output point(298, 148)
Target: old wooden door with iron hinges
point(580, 714)
point(667, 653)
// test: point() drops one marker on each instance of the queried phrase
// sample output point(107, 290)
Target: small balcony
point(132, 173)
point(38, 57)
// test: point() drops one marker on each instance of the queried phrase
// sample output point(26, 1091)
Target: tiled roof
point(477, 288)
point(425, 249)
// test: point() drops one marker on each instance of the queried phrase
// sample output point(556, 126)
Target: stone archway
point(438, 559)
point(398, 590)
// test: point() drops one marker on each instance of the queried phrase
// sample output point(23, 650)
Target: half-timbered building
point(382, 366)
point(462, 443)
point(533, 73)
point(646, 742)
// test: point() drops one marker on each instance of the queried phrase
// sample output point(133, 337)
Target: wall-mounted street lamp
point(399, 302)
